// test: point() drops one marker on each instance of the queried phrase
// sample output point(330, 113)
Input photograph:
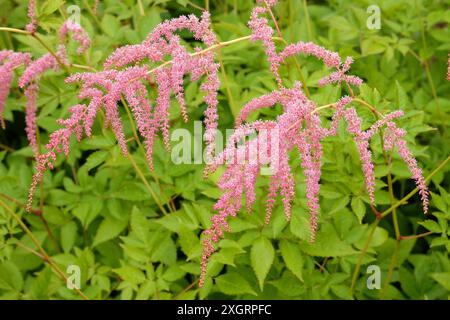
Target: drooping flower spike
point(30, 78)
point(162, 42)
point(32, 25)
point(9, 60)
point(105, 89)
point(261, 30)
point(78, 34)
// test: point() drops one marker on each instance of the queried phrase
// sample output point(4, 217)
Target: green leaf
point(68, 236)
point(139, 224)
point(95, 159)
point(372, 45)
point(431, 225)
point(109, 229)
point(51, 6)
point(262, 255)
point(110, 25)
point(443, 279)
point(132, 191)
point(130, 274)
point(10, 277)
point(86, 212)
point(292, 256)
point(232, 283)
point(299, 226)
point(358, 208)
point(327, 244)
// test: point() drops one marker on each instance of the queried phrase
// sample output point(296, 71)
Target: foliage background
point(97, 213)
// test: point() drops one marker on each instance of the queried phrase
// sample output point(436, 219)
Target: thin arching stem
point(138, 141)
point(297, 64)
point(46, 257)
point(386, 213)
point(147, 185)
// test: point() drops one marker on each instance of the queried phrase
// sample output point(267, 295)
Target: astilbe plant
point(29, 81)
point(298, 126)
point(127, 77)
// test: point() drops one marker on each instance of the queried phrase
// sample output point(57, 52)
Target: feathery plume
point(32, 25)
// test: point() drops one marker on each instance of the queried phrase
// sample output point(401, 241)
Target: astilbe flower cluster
point(299, 127)
point(127, 76)
point(32, 25)
point(125, 80)
point(29, 81)
point(9, 60)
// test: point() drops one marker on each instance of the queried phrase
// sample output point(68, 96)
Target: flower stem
point(141, 8)
point(416, 236)
point(147, 185)
point(308, 23)
point(363, 253)
point(44, 254)
point(62, 64)
point(392, 266)
point(138, 141)
point(384, 214)
point(297, 64)
point(14, 30)
point(413, 192)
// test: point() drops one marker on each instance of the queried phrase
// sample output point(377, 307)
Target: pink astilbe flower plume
point(30, 116)
point(448, 67)
point(261, 30)
point(59, 142)
point(32, 25)
point(106, 89)
point(255, 147)
point(298, 126)
point(78, 34)
point(29, 82)
point(163, 41)
point(394, 138)
point(9, 60)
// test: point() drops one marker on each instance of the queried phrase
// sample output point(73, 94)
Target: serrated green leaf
point(261, 256)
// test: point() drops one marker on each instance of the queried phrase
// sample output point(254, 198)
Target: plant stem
point(92, 14)
point(413, 192)
point(141, 8)
point(363, 253)
point(19, 244)
point(297, 64)
point(196, 6)
point(392, 266)
point(46, 257)
point(417, 236)
point(138, 141)
point(147, 185)
point(20, 204)
point(227, 85)
point(14, 30)
point(388, 162)
point(64, 66)
point(368, 105)
point(213, 47)
point(308, 23)
point(384, 214)
point(7, 148)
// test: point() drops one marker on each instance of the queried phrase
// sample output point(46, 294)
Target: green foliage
point(99, 215)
